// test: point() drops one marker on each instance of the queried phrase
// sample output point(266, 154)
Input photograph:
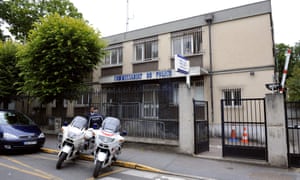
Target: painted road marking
point(39, 172)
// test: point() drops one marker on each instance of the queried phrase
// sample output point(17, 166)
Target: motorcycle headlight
point(106, 139)
point(9, 136)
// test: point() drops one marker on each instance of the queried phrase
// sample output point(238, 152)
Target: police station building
point(151, 78)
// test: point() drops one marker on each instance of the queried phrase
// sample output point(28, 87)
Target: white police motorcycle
point(74, 139)
point(108, 144)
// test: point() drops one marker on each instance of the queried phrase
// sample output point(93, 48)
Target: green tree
point(8, 72)
point(293, 81)
point(21, 14)
point(57, 57)
point(293, 85)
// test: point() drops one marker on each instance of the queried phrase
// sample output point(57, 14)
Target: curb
point(128, 164)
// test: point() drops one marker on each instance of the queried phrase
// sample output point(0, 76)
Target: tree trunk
point(5, 103)
point(60, 107)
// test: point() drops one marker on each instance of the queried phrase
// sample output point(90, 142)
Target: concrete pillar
point(276, 132)
point(186, 120)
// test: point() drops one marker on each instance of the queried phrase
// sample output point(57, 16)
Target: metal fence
point(136, 124)
point(148, 112)
point(293, 132)
point(244, 129)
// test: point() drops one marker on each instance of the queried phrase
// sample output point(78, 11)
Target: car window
point(14, 118)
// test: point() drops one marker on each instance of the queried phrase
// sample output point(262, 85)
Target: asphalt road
point(38, 166)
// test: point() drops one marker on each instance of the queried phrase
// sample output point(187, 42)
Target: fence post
point(276, 132)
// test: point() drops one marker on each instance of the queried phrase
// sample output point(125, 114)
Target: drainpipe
point(209, 19)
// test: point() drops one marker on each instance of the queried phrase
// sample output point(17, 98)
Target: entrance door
point(201, 126)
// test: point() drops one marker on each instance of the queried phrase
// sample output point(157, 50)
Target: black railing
point(293, 132)
point(138, 125)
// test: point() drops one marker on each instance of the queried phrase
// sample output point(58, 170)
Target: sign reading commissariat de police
point(144, 75)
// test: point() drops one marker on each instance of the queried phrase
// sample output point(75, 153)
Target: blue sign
point(128, 77)
point(181, 64)
point(144, 76)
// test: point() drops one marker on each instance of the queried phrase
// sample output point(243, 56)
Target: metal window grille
point(187, 42)
point(146, 51)
point(232, 97)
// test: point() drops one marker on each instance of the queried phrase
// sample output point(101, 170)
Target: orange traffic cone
point(233, 135)
point(245, 136)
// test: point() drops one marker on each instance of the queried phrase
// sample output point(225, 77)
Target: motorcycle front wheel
point(97, 169)
point(61, 159)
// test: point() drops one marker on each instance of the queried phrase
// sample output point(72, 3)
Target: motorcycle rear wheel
point(97, 168)
point(61, 159)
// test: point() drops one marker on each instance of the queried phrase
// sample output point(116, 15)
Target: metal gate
point(244, 132)
point(293, 133)
point(201, 136)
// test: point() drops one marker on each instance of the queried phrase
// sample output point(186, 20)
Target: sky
point(110, 16)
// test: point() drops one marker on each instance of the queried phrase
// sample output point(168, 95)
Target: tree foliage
point(58, 55)
point(21, 14)
point(8, 71)
point(293, 81)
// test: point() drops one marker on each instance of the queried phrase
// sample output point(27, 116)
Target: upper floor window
point(114, 56)
point(232, 97)
point(146, 49)
point(187, 42)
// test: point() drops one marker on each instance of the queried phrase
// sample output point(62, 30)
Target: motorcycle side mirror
point(124, 133)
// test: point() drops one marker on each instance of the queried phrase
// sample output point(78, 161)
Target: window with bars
point(232, 97)
point(187, 42)
point(146, 50)
point(114, 56)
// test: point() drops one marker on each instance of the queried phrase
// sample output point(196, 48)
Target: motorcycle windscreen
point(79, 122)
point(111, 124)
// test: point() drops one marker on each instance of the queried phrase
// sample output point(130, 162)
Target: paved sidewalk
point(205, 166)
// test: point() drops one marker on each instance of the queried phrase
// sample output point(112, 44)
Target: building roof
point(254, 9)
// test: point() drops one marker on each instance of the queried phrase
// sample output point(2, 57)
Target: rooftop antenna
point(127, 15)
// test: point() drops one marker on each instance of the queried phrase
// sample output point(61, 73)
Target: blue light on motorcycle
point(95, 126)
